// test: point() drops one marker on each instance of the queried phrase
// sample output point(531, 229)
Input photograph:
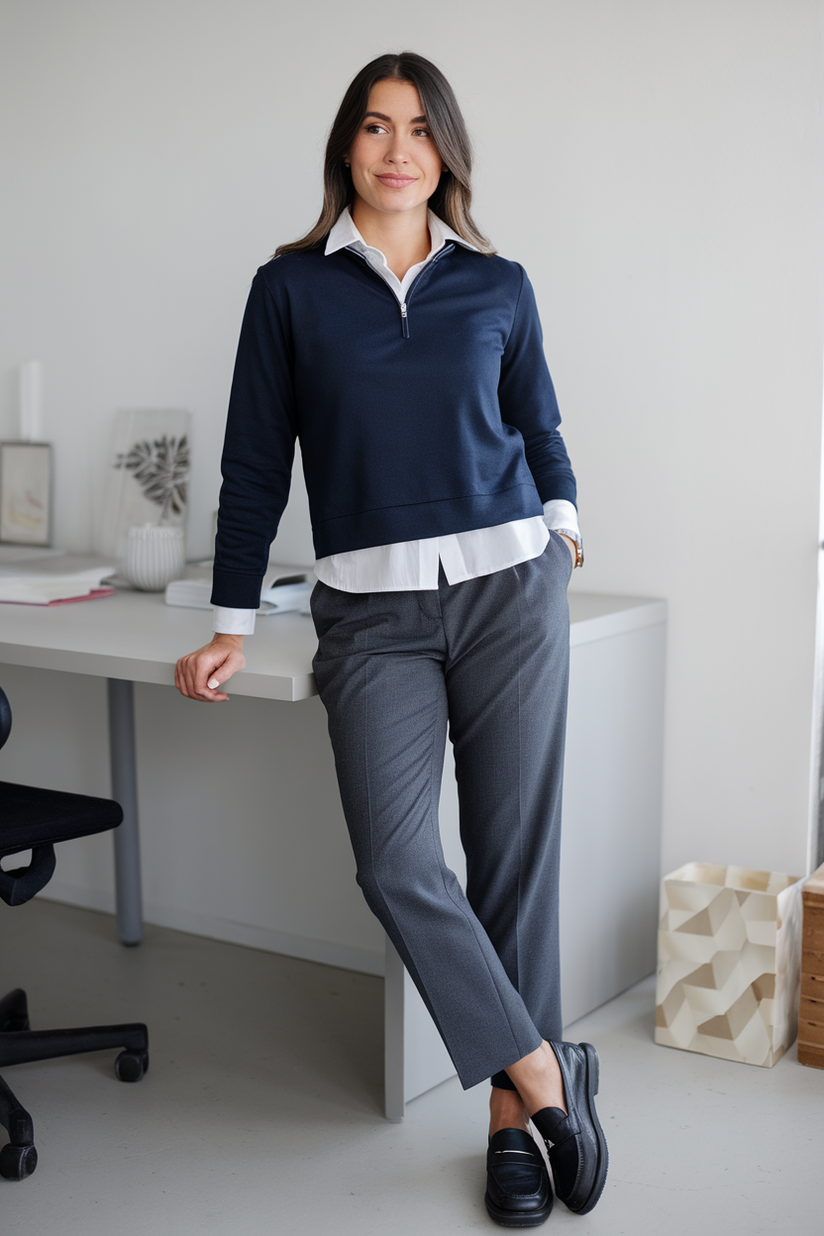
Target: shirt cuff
point(233, 621)
point(559, 513)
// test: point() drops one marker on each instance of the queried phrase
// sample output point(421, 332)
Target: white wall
point(655, 164)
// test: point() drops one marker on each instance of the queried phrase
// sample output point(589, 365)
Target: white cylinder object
point(31, 401)
point(155, 555)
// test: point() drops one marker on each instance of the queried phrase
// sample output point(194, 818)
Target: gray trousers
point(489, 659)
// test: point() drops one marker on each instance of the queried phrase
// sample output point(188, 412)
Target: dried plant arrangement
point(161, 468)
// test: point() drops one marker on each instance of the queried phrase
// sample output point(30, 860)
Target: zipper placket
point(404, 303)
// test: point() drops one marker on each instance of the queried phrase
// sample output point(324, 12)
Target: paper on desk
point(59, 577)
point(283, 598)
point(93, 594)
point(284, 589)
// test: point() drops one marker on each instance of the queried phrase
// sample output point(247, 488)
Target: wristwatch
point(579, 544)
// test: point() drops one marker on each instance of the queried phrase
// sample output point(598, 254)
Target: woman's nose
point(397, 152)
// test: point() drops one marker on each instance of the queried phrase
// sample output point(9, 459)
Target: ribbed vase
point(155, 555)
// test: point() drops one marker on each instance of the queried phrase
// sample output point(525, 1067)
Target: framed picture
point(25, 493)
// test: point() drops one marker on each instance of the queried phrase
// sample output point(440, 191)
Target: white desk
point(135, 637)
point(612, 796)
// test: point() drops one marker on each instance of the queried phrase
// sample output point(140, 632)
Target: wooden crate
point(811, 1006)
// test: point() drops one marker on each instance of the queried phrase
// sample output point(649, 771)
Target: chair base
point(20, 1045)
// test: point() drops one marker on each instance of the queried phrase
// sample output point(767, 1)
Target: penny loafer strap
point(513, 1146)
point(555, 1126)
point(506, 1158)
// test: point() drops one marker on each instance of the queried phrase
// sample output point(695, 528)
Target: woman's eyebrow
point(380, 116)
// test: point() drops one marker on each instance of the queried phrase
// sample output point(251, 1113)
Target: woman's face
point(394, 162)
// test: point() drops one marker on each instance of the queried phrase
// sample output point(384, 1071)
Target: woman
point(408, 358)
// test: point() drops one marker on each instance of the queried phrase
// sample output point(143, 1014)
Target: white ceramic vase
point(155, 555)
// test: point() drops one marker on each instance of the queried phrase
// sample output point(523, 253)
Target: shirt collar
point(345, 235)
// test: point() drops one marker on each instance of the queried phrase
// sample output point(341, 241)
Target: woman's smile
point(396, 181)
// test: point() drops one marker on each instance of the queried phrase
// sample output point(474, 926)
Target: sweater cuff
point(233, 590)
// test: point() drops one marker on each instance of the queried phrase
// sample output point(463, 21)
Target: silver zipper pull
point(403, 309)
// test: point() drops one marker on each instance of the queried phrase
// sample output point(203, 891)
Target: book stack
point(50, 577)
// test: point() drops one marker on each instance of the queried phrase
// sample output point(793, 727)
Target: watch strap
point(579, 544)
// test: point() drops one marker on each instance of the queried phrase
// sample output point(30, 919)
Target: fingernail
point(213, 684)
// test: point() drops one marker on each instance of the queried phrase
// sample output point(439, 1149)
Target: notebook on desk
point(51, 577)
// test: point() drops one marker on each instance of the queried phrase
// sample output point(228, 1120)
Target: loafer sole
point(512, 1218)
point(592, 1080)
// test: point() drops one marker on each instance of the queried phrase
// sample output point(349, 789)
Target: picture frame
point(25, 493)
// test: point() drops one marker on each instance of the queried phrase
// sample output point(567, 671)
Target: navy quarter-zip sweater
point(415, 420)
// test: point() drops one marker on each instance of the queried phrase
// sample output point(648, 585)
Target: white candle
point(31, 401)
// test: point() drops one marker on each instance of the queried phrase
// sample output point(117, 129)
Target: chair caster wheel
point(130, 1066)
point(17, 1162)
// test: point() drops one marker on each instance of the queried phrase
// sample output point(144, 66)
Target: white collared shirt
point(415, 565)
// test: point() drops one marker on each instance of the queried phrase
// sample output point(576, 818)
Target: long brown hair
point(451, 200)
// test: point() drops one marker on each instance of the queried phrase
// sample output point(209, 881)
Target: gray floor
point(262, 1109)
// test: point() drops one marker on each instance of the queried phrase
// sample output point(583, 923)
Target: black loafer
point(577, 1147)
point(518, 1192)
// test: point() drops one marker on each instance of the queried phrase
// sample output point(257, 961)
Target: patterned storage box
point(729, 961)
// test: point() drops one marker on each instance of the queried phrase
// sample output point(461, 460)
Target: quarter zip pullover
point(451, 428)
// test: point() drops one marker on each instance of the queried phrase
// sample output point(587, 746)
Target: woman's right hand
point(199, 675)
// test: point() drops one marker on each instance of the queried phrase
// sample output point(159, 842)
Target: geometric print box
point(729, 962)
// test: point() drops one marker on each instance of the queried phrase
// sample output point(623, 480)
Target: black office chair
point(35, 819)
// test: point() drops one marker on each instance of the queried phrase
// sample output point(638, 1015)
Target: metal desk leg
point(128, 897)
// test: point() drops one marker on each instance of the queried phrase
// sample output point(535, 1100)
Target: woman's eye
point(422, 132)
point(375, 128)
